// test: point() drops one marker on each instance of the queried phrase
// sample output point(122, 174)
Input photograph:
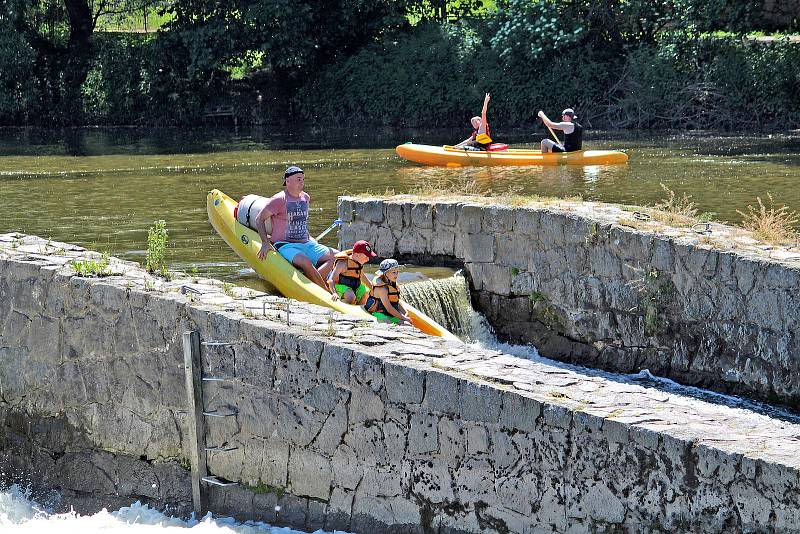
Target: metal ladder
point(192, 364)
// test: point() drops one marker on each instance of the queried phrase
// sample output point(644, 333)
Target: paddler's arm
point(464, 142)
point(545, 120)
point(261, 226)
point(486, 99)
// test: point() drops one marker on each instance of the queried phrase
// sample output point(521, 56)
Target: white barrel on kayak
point(249, 208)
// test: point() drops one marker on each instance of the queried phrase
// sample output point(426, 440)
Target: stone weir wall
point(591, 284)
point(346, 424)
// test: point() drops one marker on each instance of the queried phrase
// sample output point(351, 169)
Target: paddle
point(325, 232)
point(541, 116)
point(558, 142)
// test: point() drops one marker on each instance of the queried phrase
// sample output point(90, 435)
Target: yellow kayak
point(282, 274)
point(458, 157)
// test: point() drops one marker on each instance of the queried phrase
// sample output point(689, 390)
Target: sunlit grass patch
point(772, 225)
point(470, 190)
point(90, 267)
point(675, 210)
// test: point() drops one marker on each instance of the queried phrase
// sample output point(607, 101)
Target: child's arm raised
point(486, 99)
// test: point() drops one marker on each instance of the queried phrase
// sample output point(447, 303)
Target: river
point(104, 188)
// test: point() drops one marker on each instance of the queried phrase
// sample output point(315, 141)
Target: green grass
point(92, 267)
point(140, 22)
point(157, 237)
point(261, 488)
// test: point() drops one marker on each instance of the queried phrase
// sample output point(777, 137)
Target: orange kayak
point(458, 157)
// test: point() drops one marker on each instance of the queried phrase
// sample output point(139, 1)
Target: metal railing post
point(197, 434)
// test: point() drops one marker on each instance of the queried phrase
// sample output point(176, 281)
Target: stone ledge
point(590, 284)
point(358, 426)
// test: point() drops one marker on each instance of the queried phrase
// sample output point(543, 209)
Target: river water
point(104, 188)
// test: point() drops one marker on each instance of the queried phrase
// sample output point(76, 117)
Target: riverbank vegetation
point(691, 64)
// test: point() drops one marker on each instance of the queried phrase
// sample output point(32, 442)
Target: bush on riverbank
point(437, 75)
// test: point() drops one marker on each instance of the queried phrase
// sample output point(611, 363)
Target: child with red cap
point(347, 281)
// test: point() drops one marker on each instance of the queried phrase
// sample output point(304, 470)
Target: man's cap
point(570, 112)
point(293, 169)
point(364, 248)
point(388, 265)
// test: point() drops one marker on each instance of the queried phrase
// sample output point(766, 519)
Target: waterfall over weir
point(446, 301)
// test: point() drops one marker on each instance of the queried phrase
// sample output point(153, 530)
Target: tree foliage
point(640, 63)
point(532, 28)
point(443, 10)
point(60, 35)
point(292, 37)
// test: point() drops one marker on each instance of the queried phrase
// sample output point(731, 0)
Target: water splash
point(20, 514)
point(445, 300)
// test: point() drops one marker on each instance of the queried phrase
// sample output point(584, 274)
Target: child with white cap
point(384, 297)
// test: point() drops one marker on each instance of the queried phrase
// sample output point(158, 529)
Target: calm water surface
point(103, 189)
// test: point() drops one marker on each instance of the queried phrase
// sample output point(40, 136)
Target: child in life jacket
point(347, 281)
point(480, 139)
point(384, 298)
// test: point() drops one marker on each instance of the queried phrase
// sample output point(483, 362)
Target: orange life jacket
point(351, 276)
point(374, 303)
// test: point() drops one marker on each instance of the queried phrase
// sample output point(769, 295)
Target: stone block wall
point(587, 283)
point(347, 424)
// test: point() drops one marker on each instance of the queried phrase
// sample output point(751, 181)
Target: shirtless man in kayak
point(288, 212)
point(573, 133)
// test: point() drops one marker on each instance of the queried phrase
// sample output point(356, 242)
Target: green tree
point(444, 10)
point(609, 28)
point(710, 15)
point(60, 34)
point(531, 28)
point(16, 87)
point(290, 37)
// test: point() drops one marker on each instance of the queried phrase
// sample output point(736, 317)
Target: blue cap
point(388, 265)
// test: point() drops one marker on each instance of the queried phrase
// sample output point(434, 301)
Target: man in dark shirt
point(573, 133)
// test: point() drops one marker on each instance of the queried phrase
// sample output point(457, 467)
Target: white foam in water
point(19, 514)
point(483, 335)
